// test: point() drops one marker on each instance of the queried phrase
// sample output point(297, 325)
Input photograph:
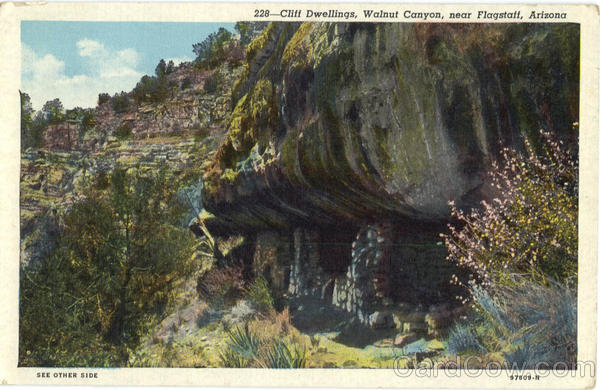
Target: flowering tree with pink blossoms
point(529, 228)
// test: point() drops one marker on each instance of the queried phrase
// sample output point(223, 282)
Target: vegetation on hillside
point(212, 50)
point(34, 124)
point(155, 89)
point(119, 256)
point(122, 251)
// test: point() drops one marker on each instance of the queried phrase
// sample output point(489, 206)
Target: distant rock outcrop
point(181, 132)
point(63, 136)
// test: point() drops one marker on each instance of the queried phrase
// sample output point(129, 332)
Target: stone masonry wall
point(61, 137)
point(271, 259)
point(366, 283)
point(306, 276)
point(397, 276)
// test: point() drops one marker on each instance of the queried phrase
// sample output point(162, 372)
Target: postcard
point(282, 194)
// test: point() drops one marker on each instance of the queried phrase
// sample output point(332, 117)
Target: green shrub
point(54, 111)
point(279, 355)
point(84, 115)
point(123, 132)
point(201, 134)
point(462, 338)
point(103, 98)
point(212, 83)
point(118, 257)
point(186, 83)
point(120, 102)
point(151, 89)
point(259, 293)
point(211, 51)
point(32, 125)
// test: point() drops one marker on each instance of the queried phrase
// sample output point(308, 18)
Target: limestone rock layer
point(347, 123)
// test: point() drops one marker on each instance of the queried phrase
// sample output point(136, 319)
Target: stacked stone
point(270, 258)
point(409, 319)
point(366, 282)
point(440, 317)
point(306, 276)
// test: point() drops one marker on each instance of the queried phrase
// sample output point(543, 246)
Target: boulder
point(408, 327)
point(380, 319)
point(402, 340)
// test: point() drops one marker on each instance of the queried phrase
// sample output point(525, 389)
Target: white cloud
point(48, 65)
point(128, 56)
point(108, 71)
point(27, 59)
point(89, 48)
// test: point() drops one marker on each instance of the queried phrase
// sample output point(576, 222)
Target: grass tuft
point(462, 338)
point(531, 322)
point(259, 293)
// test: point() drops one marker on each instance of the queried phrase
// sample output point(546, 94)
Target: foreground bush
point(530, 323)
point(259, 293)
point(520, 253)
point(118, 258)
point(462, 338)
point(221, 286)
point(530, 227)
point(245, 349)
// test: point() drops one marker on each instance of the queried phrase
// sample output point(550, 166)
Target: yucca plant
point(243, 342)
point(231, 359)
point(279, 355)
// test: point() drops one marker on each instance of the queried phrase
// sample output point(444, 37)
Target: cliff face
point(347, 123)
point(348, 140)
point(63, 136)
point(182, 132)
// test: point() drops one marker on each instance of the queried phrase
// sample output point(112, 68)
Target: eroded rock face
point(349, 140)
point(189, 108)
point(62, 137)
point(357, 122)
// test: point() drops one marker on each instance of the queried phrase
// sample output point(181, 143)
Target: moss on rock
point(390, 120)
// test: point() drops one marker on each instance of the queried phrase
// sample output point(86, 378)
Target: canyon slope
point(334, 150)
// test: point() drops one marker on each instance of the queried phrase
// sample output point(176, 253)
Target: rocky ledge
point(348, 140)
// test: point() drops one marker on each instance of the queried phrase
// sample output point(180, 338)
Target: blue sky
point(75, 61)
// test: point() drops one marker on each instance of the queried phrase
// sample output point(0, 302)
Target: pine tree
point(113, 272)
